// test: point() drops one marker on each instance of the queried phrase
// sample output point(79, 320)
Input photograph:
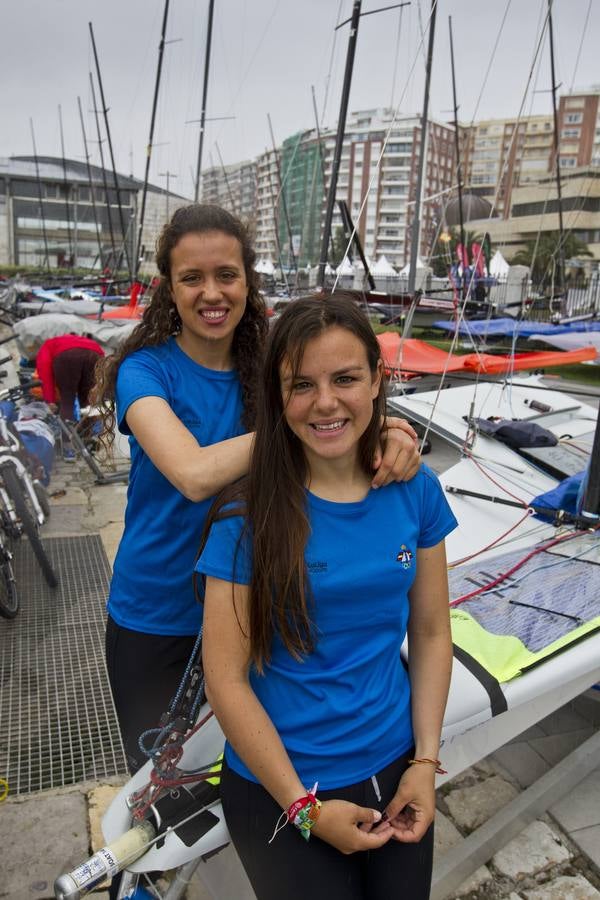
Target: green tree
point(542, 255)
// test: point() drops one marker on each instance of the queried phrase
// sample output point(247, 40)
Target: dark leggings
point(293, 868)
point(144, 671)
point(73, 372)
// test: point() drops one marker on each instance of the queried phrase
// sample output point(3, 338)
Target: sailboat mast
point(211, 7)
point(463, 281)
point(591, 497)
point(104, 181)
point(39, 185)
point(416, 224)
point(561, 249)
point(66, 187)
point(112, 155)
point(339, 141)
point(161, 48)
point(91, 184)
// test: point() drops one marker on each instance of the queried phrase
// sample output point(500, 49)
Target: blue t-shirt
point(343, 712)
point(152, 589)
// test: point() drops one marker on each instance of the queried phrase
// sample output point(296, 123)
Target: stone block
point(581, 808)
point(533, 850)
point(522, 762)
point(555, 747)
point(447, 836)
point(99, 799)
point(588, 841)
point(565, 888)
point(473, 805)
point(41, 839)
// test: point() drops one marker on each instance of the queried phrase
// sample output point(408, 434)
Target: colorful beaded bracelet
point(431, 762)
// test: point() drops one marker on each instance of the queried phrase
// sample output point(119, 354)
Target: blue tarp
point(568, 496)
point(508, 326)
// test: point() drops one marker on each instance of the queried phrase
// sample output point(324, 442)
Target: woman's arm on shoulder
point(197, 472)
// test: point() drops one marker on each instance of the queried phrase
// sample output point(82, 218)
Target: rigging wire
point(331, 59)
point(583, 34)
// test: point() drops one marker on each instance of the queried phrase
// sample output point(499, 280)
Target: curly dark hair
point(161, 319)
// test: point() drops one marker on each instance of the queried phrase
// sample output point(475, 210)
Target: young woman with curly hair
point(183, 387)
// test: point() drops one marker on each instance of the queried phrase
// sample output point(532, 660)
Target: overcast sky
point(266, 54)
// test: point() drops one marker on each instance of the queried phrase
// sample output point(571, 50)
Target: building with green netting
point(301, 200)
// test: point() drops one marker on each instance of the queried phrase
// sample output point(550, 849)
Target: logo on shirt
point(405, 557)
point(317, 568)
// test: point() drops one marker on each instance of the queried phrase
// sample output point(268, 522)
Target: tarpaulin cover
point(419, 358)
point(517, 434)
point(508, 326)
point(568, 496)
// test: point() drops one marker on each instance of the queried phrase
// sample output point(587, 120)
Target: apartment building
point(378, 179)
point(266, 237)
point(233, 187)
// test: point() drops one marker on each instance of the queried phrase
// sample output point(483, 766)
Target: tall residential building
point(301, 201)
point(234, 188)
point(266, 238)
point(378, 182)
point(579, 128)
point(504, 153)
point(501, 160)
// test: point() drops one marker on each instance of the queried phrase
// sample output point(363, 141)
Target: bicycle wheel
point(9, 598)
point(13, 487)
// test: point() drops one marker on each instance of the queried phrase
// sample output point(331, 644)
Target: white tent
point(329, 270)
point(264, 267)
point(498, 265)
point(383, 268)
point(345, 267)
point(406, 270)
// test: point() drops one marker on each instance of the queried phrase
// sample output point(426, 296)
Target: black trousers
point(144, 671)
point(296, 869)
point(73, 372)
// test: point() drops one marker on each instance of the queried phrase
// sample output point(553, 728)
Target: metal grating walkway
point(57, 721)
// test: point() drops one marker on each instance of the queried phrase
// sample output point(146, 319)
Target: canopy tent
point(406, 270)
point(264, 267)
point(498, 265)
point(345, 267)
point(383, 267)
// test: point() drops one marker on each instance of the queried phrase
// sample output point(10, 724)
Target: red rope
point(457, 562)
point(504, 575)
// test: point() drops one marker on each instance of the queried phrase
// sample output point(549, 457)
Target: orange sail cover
point(419, 358)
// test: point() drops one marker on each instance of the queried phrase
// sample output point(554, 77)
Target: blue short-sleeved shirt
point(343, 712)
point(151, 589)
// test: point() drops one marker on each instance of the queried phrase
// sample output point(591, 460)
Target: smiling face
point(209, 289)
point(328, 402)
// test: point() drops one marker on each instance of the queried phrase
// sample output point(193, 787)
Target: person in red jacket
point(65, 366)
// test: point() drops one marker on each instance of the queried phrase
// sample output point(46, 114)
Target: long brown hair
point(274, 490)
point(161, 319)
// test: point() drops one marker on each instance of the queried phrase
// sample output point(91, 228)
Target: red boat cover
point(420, 358)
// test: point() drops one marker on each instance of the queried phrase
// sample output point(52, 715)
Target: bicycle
point(24, 504)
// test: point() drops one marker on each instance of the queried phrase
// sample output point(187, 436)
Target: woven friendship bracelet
point(302, 813)
point(431, 762)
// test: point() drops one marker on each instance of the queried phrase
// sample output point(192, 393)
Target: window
point(567, 162)
point(574, 118)
point(570, 133)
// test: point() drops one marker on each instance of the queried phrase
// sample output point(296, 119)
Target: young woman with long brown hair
point(312, 582)
point(183, 387)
